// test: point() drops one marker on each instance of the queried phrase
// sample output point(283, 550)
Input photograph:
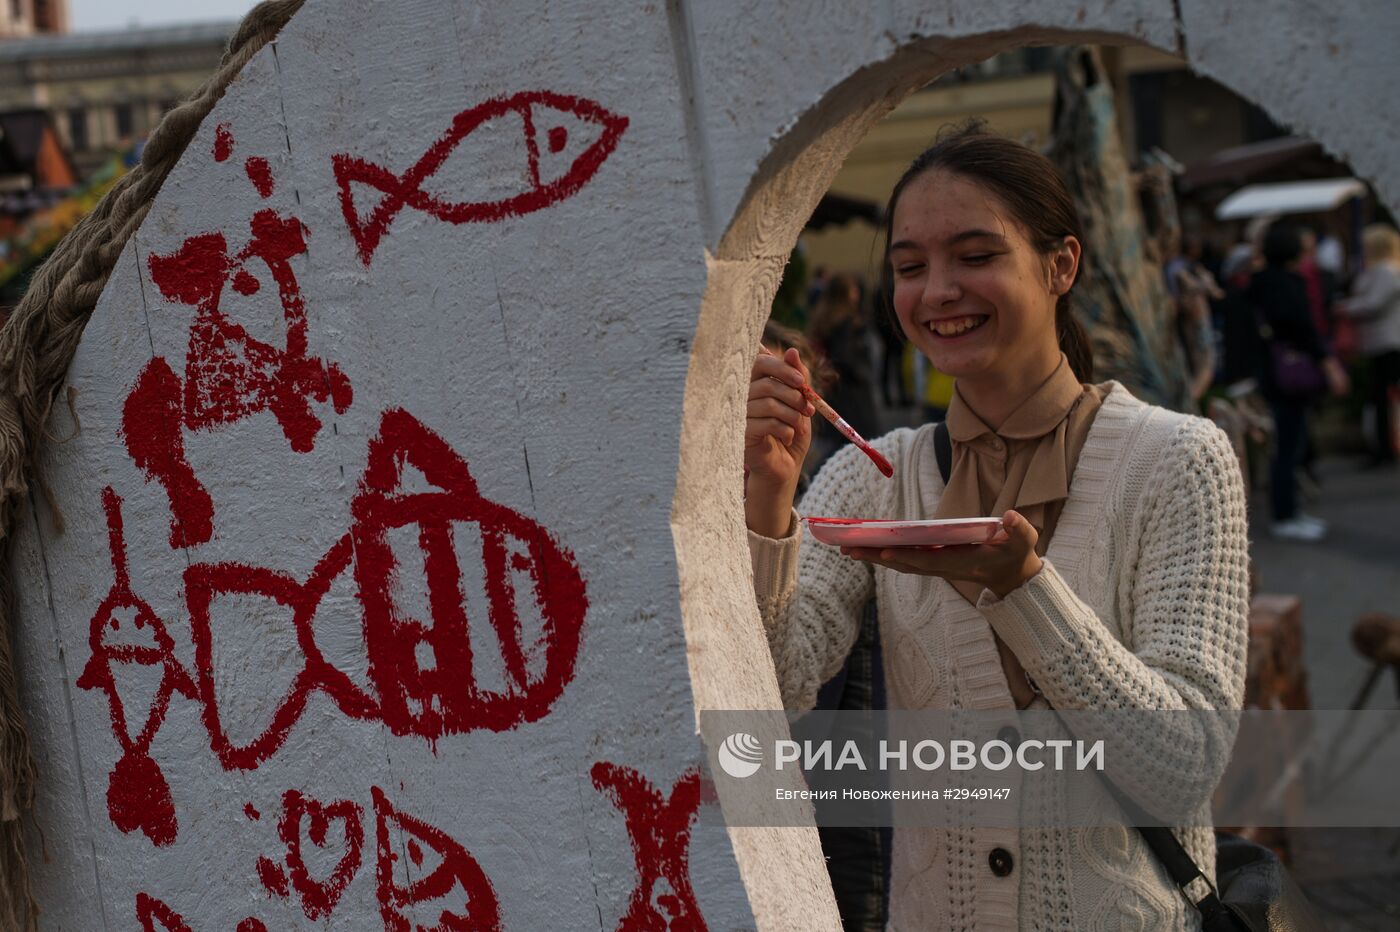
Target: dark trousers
point(1385, 372)
point(1290, 433)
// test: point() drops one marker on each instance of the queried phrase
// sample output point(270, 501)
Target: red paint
point(457, 874)
point(319, 897)
point(272, 877)
point(445, 698)
point(442, 699)
point(660, 833)
point(880, 462)
point(558, 139)
point(150, 910)
point(206, 582)
point(245, 283)
point(252, 814)
point(260, 174)
point(406, 190)
point(138, 795)
point(223, 143)
point(229, 375)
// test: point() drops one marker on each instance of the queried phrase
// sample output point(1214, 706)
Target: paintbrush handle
point(837, 421)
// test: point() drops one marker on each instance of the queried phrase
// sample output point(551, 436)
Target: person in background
point(838, 332)
point(1192, 289)
point(1279, 295)
point(893, 390)
point(1375, 304)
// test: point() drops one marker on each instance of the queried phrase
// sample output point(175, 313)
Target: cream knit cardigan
point(1142, 604)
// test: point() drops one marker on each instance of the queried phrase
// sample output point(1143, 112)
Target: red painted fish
point(138, 795)
point(406, 190)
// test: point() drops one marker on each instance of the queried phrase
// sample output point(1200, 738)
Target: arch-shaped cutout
point(728, 660)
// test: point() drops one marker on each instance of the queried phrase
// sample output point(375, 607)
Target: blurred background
point(1183, 186)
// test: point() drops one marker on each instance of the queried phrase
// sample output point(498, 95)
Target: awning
point(841, 209)
point(1290, 197)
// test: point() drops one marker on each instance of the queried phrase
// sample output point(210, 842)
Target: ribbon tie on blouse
point(1026, 464)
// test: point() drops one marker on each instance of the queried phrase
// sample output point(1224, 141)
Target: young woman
point(1123, 584)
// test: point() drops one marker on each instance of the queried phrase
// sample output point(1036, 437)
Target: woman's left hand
point(1001, 567)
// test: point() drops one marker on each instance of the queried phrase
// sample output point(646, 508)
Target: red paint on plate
point(942, 532)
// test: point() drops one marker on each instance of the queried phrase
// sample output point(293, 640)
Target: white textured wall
point(585, 362)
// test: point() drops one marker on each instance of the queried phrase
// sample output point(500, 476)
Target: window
point(125, 120)
point(78, 129)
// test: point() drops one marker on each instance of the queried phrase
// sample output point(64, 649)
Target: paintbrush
point(839, 422)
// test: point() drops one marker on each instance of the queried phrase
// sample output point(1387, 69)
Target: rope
point(36, 346)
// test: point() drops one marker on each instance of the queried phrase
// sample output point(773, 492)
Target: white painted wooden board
point(469, 381)
point(533, 352)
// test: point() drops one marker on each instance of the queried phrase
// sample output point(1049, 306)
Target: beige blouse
point(1025, 464)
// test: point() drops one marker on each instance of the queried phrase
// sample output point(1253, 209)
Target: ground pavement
point(1352, 875)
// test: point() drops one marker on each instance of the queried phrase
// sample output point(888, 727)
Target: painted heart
point(304, 817)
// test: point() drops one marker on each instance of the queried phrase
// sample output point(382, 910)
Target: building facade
point(30, 17)
point(104, 90)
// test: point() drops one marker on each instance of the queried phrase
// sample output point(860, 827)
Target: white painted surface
point(593, 338)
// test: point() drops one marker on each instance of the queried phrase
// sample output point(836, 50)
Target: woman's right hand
point(777, 435)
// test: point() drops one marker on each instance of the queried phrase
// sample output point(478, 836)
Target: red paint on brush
point(881, 463)
point(837, 421)
point(223, 143)
point(260, 174)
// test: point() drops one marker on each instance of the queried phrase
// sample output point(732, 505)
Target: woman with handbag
point(1123, 583)
point(1298, 369)
point(1375, 304)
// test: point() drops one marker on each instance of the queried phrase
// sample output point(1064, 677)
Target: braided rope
point(36, 347)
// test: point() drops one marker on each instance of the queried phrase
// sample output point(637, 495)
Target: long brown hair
point(1030, 187)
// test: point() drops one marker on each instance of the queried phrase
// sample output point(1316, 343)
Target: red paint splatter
point(260, 174)
point(660, 833)
point(272, 877)
point(223, 142)
point(406, 190)
point(151, 421)
point(150, 910)
point(457, 874)
point(138, 795)
point(415, 853)
point(444, 697)
point(245, 283)
point(252, 814)
point(319, 897)
point(251, 925)
point(229, 375)
point(558, 139)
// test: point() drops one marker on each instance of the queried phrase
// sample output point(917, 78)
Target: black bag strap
point(943, 450)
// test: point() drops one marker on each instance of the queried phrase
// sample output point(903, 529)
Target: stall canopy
point(1291, 197)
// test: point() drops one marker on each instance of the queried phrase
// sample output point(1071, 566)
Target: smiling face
point(970, 290)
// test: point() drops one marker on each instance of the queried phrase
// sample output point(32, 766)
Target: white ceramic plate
point(862, 532)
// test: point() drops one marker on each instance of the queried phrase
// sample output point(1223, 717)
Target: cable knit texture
point(1142, 603)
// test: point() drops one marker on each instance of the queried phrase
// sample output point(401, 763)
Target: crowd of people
point(1281, 316)
point(1277, 321)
